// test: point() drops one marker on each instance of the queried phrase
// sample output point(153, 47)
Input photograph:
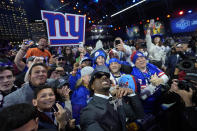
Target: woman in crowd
point(68, 55)
point(81, 93)
point(156, 52)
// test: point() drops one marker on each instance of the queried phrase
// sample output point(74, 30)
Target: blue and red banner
point(186, 23)
point(64, 29)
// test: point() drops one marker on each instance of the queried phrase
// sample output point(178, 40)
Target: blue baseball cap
point(114, 60)
point(99, 53)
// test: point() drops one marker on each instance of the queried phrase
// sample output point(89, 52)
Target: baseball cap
point(86, 70)
point(99, 69)
point(61, 82)
point(84, 59)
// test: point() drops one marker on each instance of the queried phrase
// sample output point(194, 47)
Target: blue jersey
point(150, 104)
point(143, 78)
point(79, 100)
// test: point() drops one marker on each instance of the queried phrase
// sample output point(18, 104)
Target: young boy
point(51, 115)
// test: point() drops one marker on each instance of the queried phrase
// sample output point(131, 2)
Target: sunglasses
point(100, 74)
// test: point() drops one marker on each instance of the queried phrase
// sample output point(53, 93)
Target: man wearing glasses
point(100, 115)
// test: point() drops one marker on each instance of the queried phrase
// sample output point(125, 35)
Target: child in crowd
point(51, 115)
point(99, 58)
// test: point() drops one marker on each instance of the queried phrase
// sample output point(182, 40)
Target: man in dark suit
point(100, 115)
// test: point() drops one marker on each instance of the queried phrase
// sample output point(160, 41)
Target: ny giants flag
point(64, 29)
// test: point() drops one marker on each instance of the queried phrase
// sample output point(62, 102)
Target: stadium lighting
point(189, 11)
point(168, 16)
point(128, 8)
point(61, 7)
point(96, 1)
point(181, 12)
point(100, 30)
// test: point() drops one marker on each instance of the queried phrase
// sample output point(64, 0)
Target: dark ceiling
point(103, 9)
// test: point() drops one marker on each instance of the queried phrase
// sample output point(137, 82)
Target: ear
point(34, 102)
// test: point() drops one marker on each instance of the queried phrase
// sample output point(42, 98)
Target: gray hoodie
point(23, 95)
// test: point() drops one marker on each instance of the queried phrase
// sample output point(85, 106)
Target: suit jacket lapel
point(100, 102)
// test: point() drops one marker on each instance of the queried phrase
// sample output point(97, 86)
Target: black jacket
point(98, 116)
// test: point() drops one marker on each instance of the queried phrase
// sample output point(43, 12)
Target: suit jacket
point(98, 116)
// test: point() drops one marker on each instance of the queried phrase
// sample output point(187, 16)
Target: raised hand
point(120, 47)
point(155, 80)
point(76, 66)
point(123, 92)
point(148, 32)
point(65, 92)
point(60, 116)
point(26, 46)
point(185, 95)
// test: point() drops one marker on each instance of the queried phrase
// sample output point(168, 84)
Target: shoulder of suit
point(89, 111)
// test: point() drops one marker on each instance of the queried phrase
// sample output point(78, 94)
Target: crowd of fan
point(69, 87)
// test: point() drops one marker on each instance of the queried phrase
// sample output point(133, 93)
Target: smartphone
point(152, 23)
point(29, 42)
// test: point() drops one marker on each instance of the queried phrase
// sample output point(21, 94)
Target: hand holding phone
point(29, 42)
point(152, 23)
point(148, 32)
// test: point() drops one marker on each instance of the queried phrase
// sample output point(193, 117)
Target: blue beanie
point(114, 60)
point(157, 35)
point(99, 53)
point(127, 81)
point(136, 55)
